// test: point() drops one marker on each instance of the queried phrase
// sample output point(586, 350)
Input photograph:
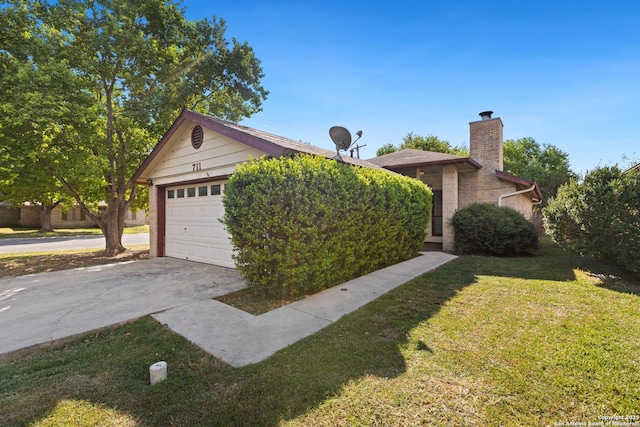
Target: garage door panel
point(193, 230)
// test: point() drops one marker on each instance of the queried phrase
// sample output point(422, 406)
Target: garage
point(193, 230)
point(186, 173)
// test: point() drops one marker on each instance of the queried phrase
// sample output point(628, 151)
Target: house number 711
point(196, 166)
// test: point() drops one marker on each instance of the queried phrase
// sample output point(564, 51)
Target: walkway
point(241, 339)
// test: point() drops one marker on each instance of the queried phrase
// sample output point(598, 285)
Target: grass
point(480, 341)
point(7, 232)
point(22, 263)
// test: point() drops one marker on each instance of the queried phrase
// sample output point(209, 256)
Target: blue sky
point(566, 73)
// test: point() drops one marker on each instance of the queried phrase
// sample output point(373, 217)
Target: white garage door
point(193, 230)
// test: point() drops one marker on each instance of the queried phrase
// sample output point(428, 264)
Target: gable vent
point(196, 136)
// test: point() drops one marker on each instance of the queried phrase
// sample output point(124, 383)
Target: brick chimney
point(485, 141)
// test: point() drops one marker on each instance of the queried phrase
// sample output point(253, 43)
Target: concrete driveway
point(40, 308)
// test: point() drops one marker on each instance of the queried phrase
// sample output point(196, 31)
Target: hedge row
point(599, 216)
point(487, 228)
point(302, 224)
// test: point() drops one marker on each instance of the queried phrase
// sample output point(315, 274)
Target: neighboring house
point(188, 168)
point(28, 216)
point(460, 181)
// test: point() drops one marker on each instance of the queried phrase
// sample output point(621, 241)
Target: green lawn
point(481, 341)
point(7, 232)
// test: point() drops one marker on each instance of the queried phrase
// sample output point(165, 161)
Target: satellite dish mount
point(342, 138)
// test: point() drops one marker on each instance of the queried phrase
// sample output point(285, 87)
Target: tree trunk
point(113, 229)
point(45, 218)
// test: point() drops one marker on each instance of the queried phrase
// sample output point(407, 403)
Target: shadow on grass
point(111, 368)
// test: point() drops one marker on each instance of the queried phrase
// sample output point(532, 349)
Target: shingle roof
point(410, 157)
point(269, 142)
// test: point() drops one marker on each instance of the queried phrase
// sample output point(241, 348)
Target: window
point(202, 191)
point(75, 214)
point(171, 194)
point(215, 190)
point(191, 192)
point(436, 221)
point(180, 193)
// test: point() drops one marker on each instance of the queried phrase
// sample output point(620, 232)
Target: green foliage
point(301, 224)
point(386, 149)
point(487, 228)
point(599, 216)
point(88, 88)
point(426, 143)
point(432, 143)
point(546, 164)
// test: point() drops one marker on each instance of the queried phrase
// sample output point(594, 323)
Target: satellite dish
point(341, 137)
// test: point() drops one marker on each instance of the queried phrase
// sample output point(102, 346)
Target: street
point(40, 244)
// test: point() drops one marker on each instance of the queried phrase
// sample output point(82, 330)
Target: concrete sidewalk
point(240, 339)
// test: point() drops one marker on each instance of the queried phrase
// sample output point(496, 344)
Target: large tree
point(546, 164)
point(36, 97)
point(138, 63)
point(426, 143)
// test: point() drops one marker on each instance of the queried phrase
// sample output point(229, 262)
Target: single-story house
point(29, 216)
point(187, 171)
point(460, 181)
point(188, 168)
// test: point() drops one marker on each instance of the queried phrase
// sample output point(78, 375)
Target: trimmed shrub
point(304, 223)
point(489, 229)
point(599, 216)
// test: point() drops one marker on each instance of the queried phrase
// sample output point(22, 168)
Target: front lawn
point(480, 341)
point(8, 232)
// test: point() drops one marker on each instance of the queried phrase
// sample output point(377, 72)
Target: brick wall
point(486, 146)
point(9, 216)
point(485, 143)
point(31, 217)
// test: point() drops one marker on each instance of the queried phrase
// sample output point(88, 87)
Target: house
point(460, 181)
point(187, 171)
point(29, 216)
point(188, 168)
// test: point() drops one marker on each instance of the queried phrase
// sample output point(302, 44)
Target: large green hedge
point(304, 223)
point(599, 216)
point(487, 228)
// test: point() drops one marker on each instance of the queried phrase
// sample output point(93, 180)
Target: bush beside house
point(489, 229)
point(599, 216)
point(305, 223)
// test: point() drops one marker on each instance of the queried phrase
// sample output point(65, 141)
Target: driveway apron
point(41, 308)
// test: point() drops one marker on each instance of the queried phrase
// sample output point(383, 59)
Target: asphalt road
point(38, 244)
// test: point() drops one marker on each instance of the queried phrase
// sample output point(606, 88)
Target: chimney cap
point(486, 115)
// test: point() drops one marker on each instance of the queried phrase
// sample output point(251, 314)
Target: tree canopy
point(426, 143)
point(89, 86)
point(546, 164)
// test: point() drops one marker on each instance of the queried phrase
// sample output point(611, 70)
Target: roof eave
point(521, 181)
point(461, 160)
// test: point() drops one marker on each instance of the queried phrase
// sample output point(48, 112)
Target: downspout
point(515, 193)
